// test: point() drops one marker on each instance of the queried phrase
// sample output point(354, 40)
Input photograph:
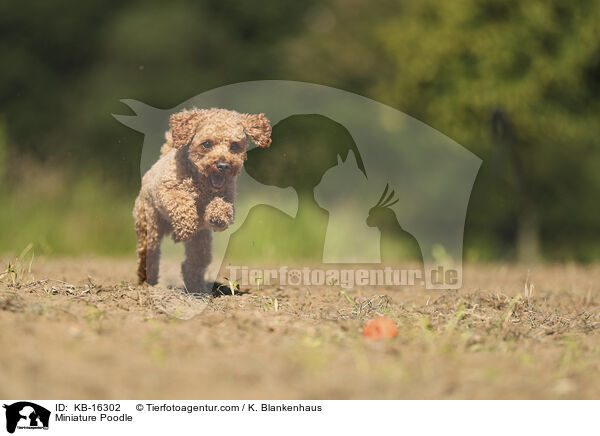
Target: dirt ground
point(84, 330)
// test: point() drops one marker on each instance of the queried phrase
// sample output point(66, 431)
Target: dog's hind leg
point(139, 215)
point(149, 234)
point(154, 234)
point(197, 258)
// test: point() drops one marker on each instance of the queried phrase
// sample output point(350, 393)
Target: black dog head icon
point(34, 415)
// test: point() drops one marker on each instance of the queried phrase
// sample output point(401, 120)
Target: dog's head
point(216, 141)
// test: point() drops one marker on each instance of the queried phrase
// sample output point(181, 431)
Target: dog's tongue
point(217, 180)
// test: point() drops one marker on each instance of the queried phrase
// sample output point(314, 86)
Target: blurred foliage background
point(515, 82)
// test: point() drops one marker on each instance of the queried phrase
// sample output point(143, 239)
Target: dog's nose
point(223, 166)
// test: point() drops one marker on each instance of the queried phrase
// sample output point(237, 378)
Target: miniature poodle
point(189, 191)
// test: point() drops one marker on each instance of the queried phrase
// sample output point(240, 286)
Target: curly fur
point(189, 191)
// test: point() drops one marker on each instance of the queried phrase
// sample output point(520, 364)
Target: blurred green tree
point(67, 64)
point(516, 82)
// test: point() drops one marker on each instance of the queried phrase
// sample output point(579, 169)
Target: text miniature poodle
point(189, 191)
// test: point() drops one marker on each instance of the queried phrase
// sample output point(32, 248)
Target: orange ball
point(380, 328)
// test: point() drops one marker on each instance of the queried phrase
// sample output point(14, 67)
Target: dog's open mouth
point(217, 181)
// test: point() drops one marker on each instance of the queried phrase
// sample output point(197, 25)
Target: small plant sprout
point(505, 319)
point(270, 303)
point(529, 291)
point(332, 282)
point(9, 270)
point(350, 300)
point(231, 284)
point(259, 281)
point(20, 270)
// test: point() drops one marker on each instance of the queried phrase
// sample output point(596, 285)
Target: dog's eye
point(235, 146)
point(207, 145)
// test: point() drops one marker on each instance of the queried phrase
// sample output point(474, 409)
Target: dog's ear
point(183, 126)
point(258, 128)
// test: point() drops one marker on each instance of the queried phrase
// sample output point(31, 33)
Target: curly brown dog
point(189, 191)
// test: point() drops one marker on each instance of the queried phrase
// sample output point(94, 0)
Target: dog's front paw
point(217, 224)
point(182, 233)
point(219, 214)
